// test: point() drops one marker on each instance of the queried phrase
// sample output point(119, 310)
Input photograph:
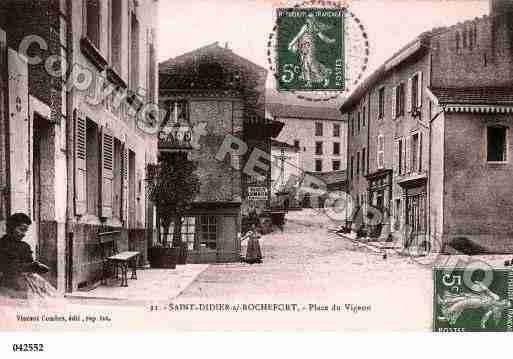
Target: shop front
point(379, 197)
point(415, 212)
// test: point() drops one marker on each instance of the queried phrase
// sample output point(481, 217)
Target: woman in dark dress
point(253, 252)
point(18, 269)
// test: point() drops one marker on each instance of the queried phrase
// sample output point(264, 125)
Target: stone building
point(79, 74)
point(318, 132)
point(219, 96)
point(428, 139)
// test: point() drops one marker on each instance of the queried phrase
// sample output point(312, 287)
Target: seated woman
point(253, 252)
point(18, 269)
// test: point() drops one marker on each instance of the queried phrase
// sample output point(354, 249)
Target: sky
point(245, 24)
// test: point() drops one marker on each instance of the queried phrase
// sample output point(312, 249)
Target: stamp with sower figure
point(310, 49)
point(472, 300)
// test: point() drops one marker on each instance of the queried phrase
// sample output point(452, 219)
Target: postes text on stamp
point(310, 49)
point(472, 300)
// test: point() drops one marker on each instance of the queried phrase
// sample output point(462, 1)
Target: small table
point(121, 260)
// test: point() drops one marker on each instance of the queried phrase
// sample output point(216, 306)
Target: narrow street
point(307, 264)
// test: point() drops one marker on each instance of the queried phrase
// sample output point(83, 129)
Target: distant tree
point(173, 184)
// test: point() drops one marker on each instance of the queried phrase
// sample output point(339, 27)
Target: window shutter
point(394, 102)
point(19, 139)
point(408, 95)
point(419, 90)
point(124, 183)
point(80, 163)
point(408, 155)
point(396, 158)
point(107, 176)
point(419, 162)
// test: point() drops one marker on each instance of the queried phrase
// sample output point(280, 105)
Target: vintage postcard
point(251, 165)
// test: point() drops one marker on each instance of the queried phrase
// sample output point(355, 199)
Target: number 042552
point(28, 348)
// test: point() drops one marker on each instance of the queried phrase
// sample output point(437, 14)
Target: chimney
point(501, 7)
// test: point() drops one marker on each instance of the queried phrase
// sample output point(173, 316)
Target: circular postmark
point(317, 49)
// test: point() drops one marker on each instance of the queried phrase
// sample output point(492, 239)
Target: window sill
point(497, 163)
point(93, 54)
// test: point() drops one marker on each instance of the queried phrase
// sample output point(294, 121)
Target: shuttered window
point(131, 190)
point(335, 165)
point(420, 153)
point(381, 103)
point(92, 10)
point(399, 101)
point(134, 53)
point(351, 167)
point(118, 179)
point(336, 130)
point(152, 59)
point(381, 152)
point(80, 163)
point(357, 163)
point(116, 33)
point(318, 165)
point(408, 167)
point(416, 91)
point(398, 157)
point(107, 173)
point(336, 148)
point(93, 163)
point(318, 148)
point(364, 161)
point(394, 102)
point(124, 182)
point(415, 152)
point(318, 129)
point(409, 102)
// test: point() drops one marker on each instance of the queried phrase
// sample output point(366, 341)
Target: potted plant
point(173, 184)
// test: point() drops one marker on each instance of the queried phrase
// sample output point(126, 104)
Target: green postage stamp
point(472, 300)
point(310, 49)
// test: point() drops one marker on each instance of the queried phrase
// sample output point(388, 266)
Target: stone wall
point(474, 53)
point(478, 194)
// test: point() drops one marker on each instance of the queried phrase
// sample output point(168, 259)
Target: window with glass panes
point(318, 165)
point(336, 148)
point(189, 231)
point(318, 128)
point(336, 165)
point(336, 130)
point(208, 231)
point(381, 103)
point(318, 148)
point(399, 98)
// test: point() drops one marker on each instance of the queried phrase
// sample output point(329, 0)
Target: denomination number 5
point(288, 73)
